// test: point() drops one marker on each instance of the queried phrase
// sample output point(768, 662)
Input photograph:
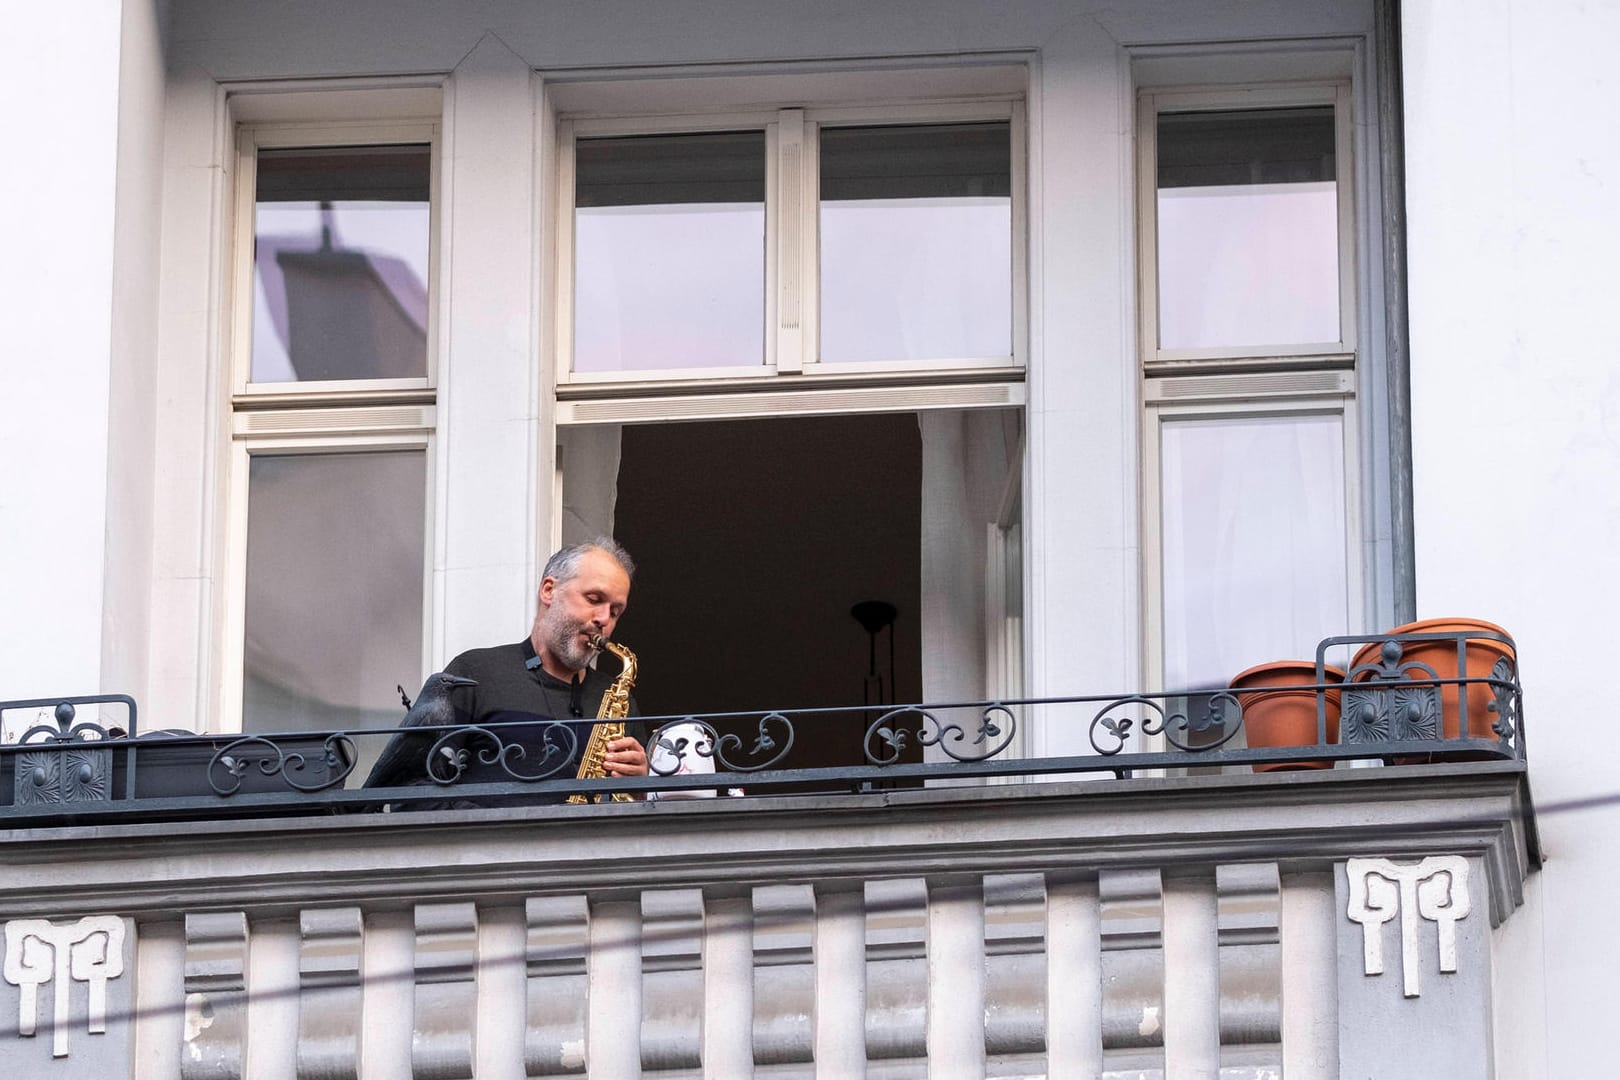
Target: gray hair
point(564, 565)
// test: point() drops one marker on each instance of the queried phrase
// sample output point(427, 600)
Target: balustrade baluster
point(613, 989)
point(272, 993)
point(956, 978)
point(1308, 927)
point(1074, 1012)
point(160, 997)
point(728, 983)
point(388, 995)
point(330, 962)
point(1192, 992)
point(840, 959)
point(446, 1002)
point(502, 993)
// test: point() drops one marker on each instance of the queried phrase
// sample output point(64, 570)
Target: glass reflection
point(669, 251)
point(1248, 228)
point(340, 265)
point(916, 242)
point(335, 562)
point(1253, 543)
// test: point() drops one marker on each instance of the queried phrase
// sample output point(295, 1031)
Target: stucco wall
point(59, 70)
point(1513, 161)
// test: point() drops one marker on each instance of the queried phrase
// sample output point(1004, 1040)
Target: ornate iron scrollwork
point(1221, 713)
point(886, 739)
point(1504, 699)
point(67, 768)
point(1390, 703)
point(255, 754)
point(455, 752)
point(773, 738)
point(768, 749)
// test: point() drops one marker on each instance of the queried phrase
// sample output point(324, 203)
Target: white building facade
point(1114, 346)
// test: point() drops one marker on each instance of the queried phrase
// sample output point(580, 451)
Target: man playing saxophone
point(548, 676)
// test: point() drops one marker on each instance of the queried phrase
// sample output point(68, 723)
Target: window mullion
point(562, 315)
point(1344, 152)
point(793, 291)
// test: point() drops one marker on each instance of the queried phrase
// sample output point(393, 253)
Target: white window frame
point(790, 103)
point(1296, 379)
point(414, 432)
point(337, 416)
point(250, 139)
point(1150, 104)
point(792, 263)
point(1237, 397)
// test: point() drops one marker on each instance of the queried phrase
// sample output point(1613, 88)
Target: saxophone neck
point(626, 658)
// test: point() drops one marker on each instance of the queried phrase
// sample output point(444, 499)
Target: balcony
point(1174, 913)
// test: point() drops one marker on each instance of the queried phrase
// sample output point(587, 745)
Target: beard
point(561, 635)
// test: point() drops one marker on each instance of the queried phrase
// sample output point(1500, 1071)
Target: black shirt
point(518, 701)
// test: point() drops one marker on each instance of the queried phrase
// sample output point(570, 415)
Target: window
point(1252, 497)
point(1256, 552)
point(1247, 248)
point(831, 242)
point(669, 242)
point(333, 374)
point(788, 371)
point(1248, 228)
point(916, 242)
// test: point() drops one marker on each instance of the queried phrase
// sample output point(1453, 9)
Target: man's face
point(573, 611)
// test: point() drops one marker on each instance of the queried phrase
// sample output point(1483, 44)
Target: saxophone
point(610, 720)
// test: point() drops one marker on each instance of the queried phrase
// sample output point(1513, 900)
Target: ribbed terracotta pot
point(1479, 658)
point(1282, 716)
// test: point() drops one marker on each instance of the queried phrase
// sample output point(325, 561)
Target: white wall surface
point(59, 72)
point(490, 464)
point(241, 39)
point(131, 420)
point(1513, 175)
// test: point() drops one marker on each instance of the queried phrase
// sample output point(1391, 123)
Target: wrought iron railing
point(1404, 698)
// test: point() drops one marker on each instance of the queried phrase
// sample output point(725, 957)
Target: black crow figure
point(405, 759)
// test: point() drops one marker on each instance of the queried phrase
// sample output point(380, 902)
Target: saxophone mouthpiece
point(595, 641)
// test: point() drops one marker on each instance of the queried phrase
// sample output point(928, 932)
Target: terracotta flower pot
point(1286, 717)
point(1480, 657)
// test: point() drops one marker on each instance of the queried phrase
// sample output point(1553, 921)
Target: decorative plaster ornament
point(1435, 889)
point(39, 951)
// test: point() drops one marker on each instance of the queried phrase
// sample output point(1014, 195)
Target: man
point(547, 676)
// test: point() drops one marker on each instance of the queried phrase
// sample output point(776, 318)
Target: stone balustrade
point(1325, 924)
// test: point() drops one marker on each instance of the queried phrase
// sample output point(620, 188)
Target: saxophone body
point(609, 720)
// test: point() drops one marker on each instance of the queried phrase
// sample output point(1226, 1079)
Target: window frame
point(277, 135)
point(1150, 104)
point(1297, 379)
point(289, 440)
point(337, 416)
point(792, 248)
point(1237, 397)
point(795, 100)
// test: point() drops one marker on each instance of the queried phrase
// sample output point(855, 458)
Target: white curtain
point(967, 459)
point(588, 458)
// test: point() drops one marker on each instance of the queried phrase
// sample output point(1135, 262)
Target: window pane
point(1254, 543)
point(340, 265)
point(916, 242)
point(1248, 228)
point(669, 251)
point(334, 589)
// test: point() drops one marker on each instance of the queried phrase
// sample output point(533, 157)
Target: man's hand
point(625, 757)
